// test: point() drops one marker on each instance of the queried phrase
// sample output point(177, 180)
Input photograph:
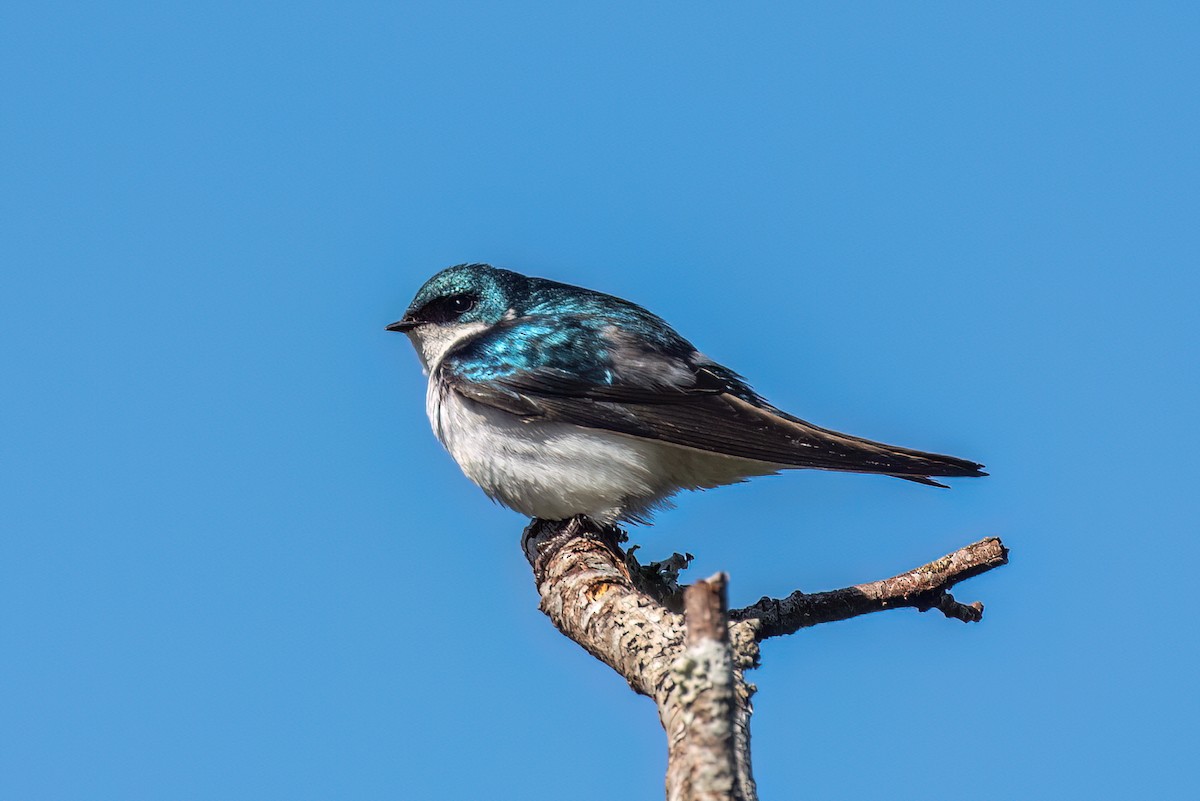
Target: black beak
point(404, 325)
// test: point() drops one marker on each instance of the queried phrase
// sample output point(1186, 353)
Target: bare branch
point(700, 726)
point(681, 648)
point(704, 606)
point(588, 593)
point(601, 598)
point(926, 587)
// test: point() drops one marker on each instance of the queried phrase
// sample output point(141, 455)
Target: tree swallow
point(560, 401)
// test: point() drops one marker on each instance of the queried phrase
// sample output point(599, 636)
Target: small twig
point(926, 587)
point(660, 580)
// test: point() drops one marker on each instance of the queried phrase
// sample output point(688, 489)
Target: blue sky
point(235, 563)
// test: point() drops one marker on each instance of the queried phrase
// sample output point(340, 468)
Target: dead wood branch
point(700, 728)
point(682, 649)
point(924, 588)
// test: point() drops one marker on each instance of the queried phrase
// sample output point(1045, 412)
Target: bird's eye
point(448, 309)
point(461, 304)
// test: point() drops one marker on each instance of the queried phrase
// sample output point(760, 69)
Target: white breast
point(556, 470)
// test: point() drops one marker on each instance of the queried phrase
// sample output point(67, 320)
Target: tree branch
point(680, 647)
point(601, 598)
point(588, 593)
point(926, 587)
point(700, 727)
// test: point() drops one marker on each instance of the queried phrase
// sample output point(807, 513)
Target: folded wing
point(679, 397)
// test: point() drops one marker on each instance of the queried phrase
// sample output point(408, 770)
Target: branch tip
point(704, 610)
point(926, 587)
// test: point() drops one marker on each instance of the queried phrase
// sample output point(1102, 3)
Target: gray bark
point(682, 648)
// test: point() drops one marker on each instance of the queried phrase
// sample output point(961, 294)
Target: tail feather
point(926, 480)
point(856, 454)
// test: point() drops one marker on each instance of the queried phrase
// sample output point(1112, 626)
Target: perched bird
point(560, 401)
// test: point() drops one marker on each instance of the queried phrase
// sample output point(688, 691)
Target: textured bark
point(680, 647)
point(926, 587)
point(699, 717)
point(589, 594)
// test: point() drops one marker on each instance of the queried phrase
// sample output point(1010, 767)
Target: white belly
point(557, 470)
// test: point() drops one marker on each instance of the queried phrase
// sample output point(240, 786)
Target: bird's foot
point(616, 532)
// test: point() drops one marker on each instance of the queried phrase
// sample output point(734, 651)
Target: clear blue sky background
point(235, 563)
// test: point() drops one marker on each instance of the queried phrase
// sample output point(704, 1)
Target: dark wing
point(609, 380)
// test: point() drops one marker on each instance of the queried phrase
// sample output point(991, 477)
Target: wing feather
point(682, 399)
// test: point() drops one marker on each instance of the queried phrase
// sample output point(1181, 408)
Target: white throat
point(433, 342)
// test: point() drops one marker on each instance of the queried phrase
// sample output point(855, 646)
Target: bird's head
point(458, 303)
